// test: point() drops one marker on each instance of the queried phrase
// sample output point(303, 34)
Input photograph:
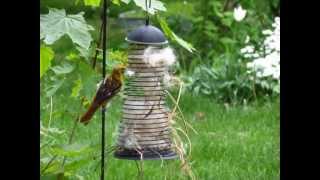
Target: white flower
point(267, 32)
point(239, 14)
point(255, 55)
point(247, 40)
point(269, 64)
point(247, 49)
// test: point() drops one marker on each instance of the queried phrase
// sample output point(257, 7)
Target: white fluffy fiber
point(156, 57)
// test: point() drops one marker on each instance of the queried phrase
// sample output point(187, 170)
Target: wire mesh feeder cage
point(144, 132)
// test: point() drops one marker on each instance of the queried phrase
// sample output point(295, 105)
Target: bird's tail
point(86, 117)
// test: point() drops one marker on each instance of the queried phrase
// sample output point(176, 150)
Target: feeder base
point(147, 155)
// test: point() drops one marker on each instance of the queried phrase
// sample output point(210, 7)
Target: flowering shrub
point(265, 62)
point(242, 62)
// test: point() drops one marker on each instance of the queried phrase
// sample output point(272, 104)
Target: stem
point(55, 156)
point(254, 87)
point(226, 5)
point(94, 60)
point(51, 108)
point(47, 166)
point(138, 168)
point(141, 170)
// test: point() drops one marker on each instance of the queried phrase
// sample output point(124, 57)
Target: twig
point(138, 168)
point(226, 5)
point(55, 156)
point(94, 60)
point(49, 163)
point(177, 106)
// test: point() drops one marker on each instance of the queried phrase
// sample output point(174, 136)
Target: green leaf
point(57, 23)
point(276, 88)
point(117, 56)
point(94, 3)
point(155, 6)
point(168, 32)
point(226, 40)
point(77, 164)
point(227, 21)
point(85, 53)
point(196, 90)
point(52, 89)
point(126, 1)
point(206, 91)
point(89, 79)
point(76, 89)
point(49, 177)
point(184, 43)
point(46, 55)
point(72, 150)
point(65, 68)
point(72, 56)
point(58, 176)
point(116, 2)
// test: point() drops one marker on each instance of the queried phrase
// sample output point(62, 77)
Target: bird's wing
point(107, 90)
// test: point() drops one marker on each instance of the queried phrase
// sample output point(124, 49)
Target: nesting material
point(159, 57)
point(145, 125)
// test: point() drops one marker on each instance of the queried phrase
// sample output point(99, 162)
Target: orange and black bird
point(107, 89)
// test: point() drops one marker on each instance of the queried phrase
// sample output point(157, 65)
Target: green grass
point(240, 142)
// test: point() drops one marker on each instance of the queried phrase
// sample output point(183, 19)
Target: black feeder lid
point(147, 34)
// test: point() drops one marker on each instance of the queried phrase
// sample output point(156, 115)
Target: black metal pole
point(147, 13)
point(103, 109)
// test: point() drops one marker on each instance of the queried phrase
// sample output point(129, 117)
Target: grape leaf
point(46, 55)
point(65, 68)
point(89, 80)
point(51, 90)
point(156, 5)
point(86, 53)
point(57, 23)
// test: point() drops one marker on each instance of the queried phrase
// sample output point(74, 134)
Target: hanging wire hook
point(147, 12)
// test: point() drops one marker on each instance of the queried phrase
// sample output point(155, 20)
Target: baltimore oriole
point(107, 89)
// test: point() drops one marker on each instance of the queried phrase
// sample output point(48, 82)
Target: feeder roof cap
point(147, 34)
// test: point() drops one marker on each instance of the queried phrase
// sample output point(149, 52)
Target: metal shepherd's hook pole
point(103, 109)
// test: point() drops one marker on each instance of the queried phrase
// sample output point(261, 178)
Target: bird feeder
point(144, 131)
